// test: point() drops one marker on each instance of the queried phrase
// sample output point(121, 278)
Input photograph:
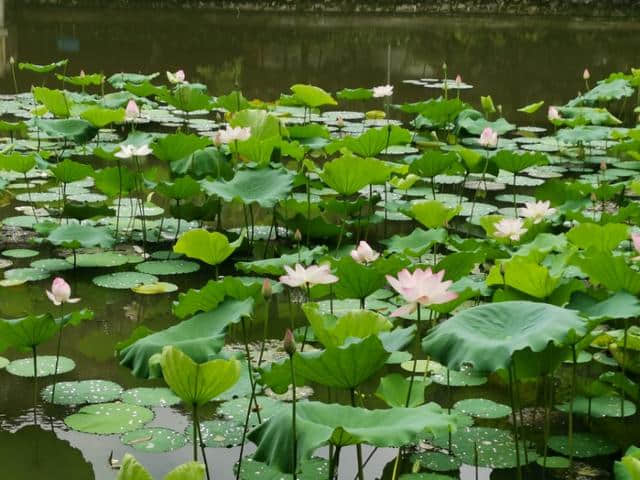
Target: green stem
point(294, 452)
point(416, 350)
point(35, 384)
point(515, 422)
point(573, 392)
point(358, 446)
point(252, 381)
point(55, 370)
point(195, 432)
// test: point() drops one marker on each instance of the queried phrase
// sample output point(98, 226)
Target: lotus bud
point(297, 236)
point(586, 75)
point(12, 60)
point(458, 80)
point(289, 343)
point(267, 291)
point(82, 73)
point(603, 165)
point(340, 121)
point(444, 66)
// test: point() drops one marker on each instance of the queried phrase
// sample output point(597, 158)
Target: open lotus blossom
point(553, 114)
point(511, 228)
point(177, 77)
point(312, 275)
point(128, 151)
point(586, 75)
point(489, 138)
point(232, 134)
point(60, 292)
point(537, 211)
point(364, 253)
point(132, 111)
point(382, 91)
point(635, 238)
point(421, 287)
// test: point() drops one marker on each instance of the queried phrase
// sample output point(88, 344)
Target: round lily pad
point(156, 439)
point(20, 253)
point(236, 410)
point(46, 366)
point(4, 263)
point(124, 280)
point(482, 408)
point(219, 433)
point(599, 407)
point(309, 470)
point(18, 276)
point(437, 461)
point(109, 418)
point(166, 255)
point(155, 288)
point(423, 476)
point(88, 197)
point(150, 397)
point(3, 362)
point(38, 197)
point(168, 267)
point(605, 358)
point(585, 445)
point(98, 260)
point(85, 391)
point(52, 264)
point(553, 462)
point(583, 357)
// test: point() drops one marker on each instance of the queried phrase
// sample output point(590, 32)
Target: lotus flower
point(635, 238)
point(313, 275)
point(289, 343)
point(489, 138)
point(458, 80)
point(128, 151)
point(537, 211)
point(177, 77)
point(364, 253)
point(232, 134)
point(553, 114)
point(382, 91)
point(267, 290)
point(60, 292)
point(511, 228)
point(422, 287)
point(132, 111)
point(586, 75)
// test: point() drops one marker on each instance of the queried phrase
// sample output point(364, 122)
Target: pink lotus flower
point(232, 134)
point(586, 75)
point(313, 275)
point(421, 287)
point(364, 253)
point(267, 290)
point(382, 91)
point(489, 138)
point(132, 111)
point(60, 292)
point(177, 77)
point(553, 114)
point(537, 211)
point(635, 238)
point(511, 228)
point(458, 80)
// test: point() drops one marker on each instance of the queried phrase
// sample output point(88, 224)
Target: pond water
point(515, 60)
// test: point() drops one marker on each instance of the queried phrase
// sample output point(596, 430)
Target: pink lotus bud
point(132, 111)
point(180, 75)
point(586, 75)
point(267, 291)
point(297, 236)
point(458, 80)
point(60, 292)
point(289, 343)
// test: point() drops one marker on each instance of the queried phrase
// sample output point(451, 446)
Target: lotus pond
point(319, 283)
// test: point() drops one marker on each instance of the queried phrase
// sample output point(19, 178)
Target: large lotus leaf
point(101, 117)
point(109, 418)
point(265, 187)
point(17, 162)
point(417, 243)
point(459, 264)
point(233, 101)
point(275, 266)
point(584, 445)
point(200, 337)
point(34, 452)
point(332, 331)
point(186, 98)
point(599, 237)
point(145, 89)
point(26, 332)
point(197, 383)
point(474, 123)
point(69, 171)
point(394, 389)
point(525, 276)
point(348, 173)
point(574, 116)
point(319, 424)
point(208, 162)
point(605, 91)
point(435, 113)
point(502, 329)
point(117, 80)
point(312, 96)
point(262, 124)
point(599, 406)
point(82, 80)
point(113, 180)
point(355, 94)
point(210, 247)
point(373, 141)
point(49, 67)
point(178, 146)
point(516, 162)
point(619, 305)
point(432, 213)
point(309, 470)
point(74, 235)
point(628, 468)
point(256, 150)
point(213, 293)
point(346, 366)
point(155, 439)
point(432, 163)
point(608, 270)
point(77, 130)
point(183, 188)
point(55, 101)
point(357, 280)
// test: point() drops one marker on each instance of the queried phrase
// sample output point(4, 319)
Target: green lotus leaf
point(312, 96)
point(32, 67)
point(474, 123)
point(266, 187)
point(460, 264)
point(357, 280)
point(146, 89)
point(628, 468)
point(79, 131)
point(612, 272)
point(605, 91)
point(532, 107)
point(117, 80)
point(210, 247)
point(417, 243)
point(585, 445)
point(432, 163)
point(200, 337)
point(20, 253)
point(622, 383)
point(186, 98)
point(124, 280)
point(309, 470)
point(18, 276)
point(197, 383)
point(109, 418)
point(482, 408)
point(502, 328)
point(577, 116)
point(85, 391)
point(372, 142)
point(150, 397)
point(263, 125)
point(256, 150)
point(394, 389)
point(213, 293)
point(101, 117)
point(619, 305)
point(432, 213)
point(525, 276)
point(435, 112)
point(355, 94)
point(178, 146)
point(82, 80)
point(599, 407)
point(46, 366)
point(26, 332)
point(98, 260)
point(74, 236)
point(55, 101)
point(599, 237)
point(155, 439)
point(167, 267)
point(232, 102)
point(69, 171)
point(181, 189)
point(275, 266)
point(17, 162)
point(113, 180)
point(319, 424)
point(349, 173)
point(517, 162)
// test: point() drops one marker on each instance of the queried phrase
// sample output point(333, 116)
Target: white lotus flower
point(537, 211)
point(382, 91)
point(511, 228)
point(232, 134)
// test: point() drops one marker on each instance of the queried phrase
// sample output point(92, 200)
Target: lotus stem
point(334, 463)
point(515, 207)
point(573, 392)
point(13, 75)
point(416, 350)
point(175, 239)
point(265, 331)
point(515, 421)
point(394, 476)
point(244, 432)
point(358, 445)
point(306, 327)
point(252, 381)
point(294, 452)
point(202, 447)
point(624, 364)
point(548, 397)
point(308, 207)
point(195, 431)
point(55, 370)
point(35, 384)
point(31, 204)
point(119, 197)
point(475, 459)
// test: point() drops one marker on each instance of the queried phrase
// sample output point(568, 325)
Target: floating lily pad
point(236, 410)
point(52, 264)
point(219, 433)
point(85, 391)
point(38, 197)
point(585, 445)
point(98, 260)
point(599, 407)
point(4, 362)
point(439, 374)
point(437, 461)
point(4, 263)
point(482, 408)
point(605, 359)
point(553, 462)
point(20, 253)
point(309, 470)
point(168, 267)
point(150, 397)
point(18, 276)
point(423, 476)
point(166, 255)
point(156, 439)
point(124, 280)
point(109, 418)
point(155, 288)
point(46, 366)
point(582, 357)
